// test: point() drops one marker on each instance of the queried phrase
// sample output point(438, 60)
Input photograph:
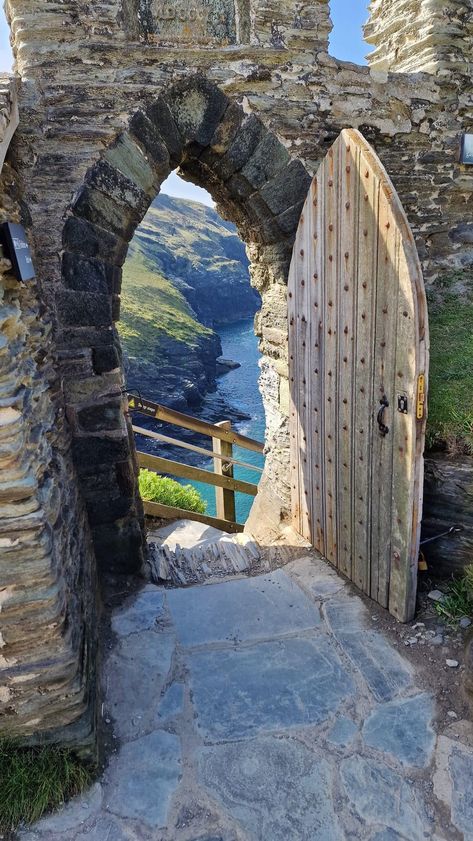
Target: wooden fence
point(223, 438)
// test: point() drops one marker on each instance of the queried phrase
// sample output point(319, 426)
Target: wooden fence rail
point(223, 438)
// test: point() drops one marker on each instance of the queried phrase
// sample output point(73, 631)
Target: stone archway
point(195, 126)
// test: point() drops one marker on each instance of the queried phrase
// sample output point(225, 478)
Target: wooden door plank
point(329, 332)
point(409, 434)
point(317, 423)
point(346, 385)
point(367, 236)
point(294, 380)
point(384, 384)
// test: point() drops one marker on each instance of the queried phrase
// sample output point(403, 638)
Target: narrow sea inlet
point(239, 388)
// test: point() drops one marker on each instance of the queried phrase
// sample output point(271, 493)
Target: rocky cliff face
point(186, 272)
point(202, 255)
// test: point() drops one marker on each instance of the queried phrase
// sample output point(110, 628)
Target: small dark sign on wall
point(466, 154)
point(18, 251)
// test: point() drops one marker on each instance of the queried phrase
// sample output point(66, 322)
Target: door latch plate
point(402, 404)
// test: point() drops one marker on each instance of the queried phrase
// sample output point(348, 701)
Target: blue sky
point(346, 43)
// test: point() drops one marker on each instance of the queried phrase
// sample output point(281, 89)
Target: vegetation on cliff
point(153, 311)
point(450, 422)
point(154, 488)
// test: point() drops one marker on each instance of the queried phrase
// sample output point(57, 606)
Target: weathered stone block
point(160, 115)
point(112, 183)
point(226, 131)
point(287, 189)
point(269, 158)
point(106, 509)
point(126, 476)
point(91, 451)
point(89, 274)
point(103, 211)
point(105, 359)
point(197, 106)
point(83, 237)
point(119, 545)
point(147, 134)
point(126, 156)
point(246, 140)
point(101, 417)
point(84, 308)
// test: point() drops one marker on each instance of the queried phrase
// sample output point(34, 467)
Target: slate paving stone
point(381, 796)
point(143, 777)
point(249, 609)
point(74, 813)
point(343, 732)
point(316, 577)
point(136, 672)
point(106, 829)
point(461, 772)
point(268, 686)
point(385, 671)
point(403, 729)
point(388, 835)
point(172, 702)
point(276, 789)
point(140, 613)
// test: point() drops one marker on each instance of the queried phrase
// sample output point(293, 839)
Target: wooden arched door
point(358, 362)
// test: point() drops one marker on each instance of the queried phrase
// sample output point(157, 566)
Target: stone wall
point(428, 35)
point(112, 99)
point(47, 583)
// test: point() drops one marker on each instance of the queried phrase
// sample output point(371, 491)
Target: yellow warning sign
point(421, 397)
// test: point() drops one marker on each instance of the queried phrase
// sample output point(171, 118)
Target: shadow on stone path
point(263, 709)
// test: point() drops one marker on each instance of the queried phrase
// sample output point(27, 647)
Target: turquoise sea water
point(240, 388)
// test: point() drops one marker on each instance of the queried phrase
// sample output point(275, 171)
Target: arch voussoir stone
point(89, 240)
point(145, 132)
point(128, 158)
point(108, 180)
point(159, 114)
point(286, 188)
point(197, 107)
point(89, 274)
point(102, 210)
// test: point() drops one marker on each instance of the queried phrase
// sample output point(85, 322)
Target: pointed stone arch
point(193, 125)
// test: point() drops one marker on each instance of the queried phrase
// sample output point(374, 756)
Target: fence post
point(225, 498)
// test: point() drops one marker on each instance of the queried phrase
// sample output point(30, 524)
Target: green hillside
point(186, 272)
point(153, 311)
point(191, 245)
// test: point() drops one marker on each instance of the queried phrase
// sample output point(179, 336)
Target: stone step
point(186, 552)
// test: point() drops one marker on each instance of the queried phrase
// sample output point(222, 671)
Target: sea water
point(240, 388)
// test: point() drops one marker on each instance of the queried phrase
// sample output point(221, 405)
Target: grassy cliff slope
point(185, 272)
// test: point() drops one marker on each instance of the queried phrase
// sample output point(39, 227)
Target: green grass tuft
point(458, 601)
point(154, 488)
point(469, 580)
point(36, 780)
point(450, 424)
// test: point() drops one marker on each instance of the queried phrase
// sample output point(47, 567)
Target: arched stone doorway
point(193, 125)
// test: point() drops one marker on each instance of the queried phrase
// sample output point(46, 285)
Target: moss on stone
point(450, 423)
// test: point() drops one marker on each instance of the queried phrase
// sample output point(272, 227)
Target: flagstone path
point(267, 709)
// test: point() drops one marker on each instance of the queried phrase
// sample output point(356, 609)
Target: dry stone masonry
point(113, 95)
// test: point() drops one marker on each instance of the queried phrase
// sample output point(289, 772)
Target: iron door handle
point(382, 426)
